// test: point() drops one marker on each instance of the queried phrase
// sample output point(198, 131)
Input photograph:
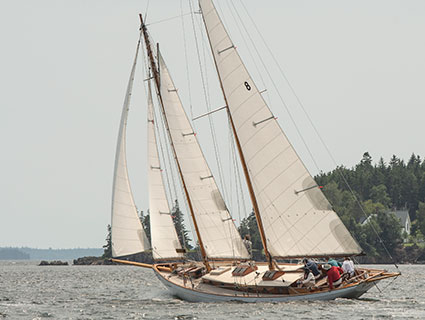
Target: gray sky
point(357, 66)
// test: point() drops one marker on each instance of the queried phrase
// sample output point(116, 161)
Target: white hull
point(193, 295)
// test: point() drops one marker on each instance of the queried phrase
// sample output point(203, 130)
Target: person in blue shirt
point(333, 262)
point(312, 266)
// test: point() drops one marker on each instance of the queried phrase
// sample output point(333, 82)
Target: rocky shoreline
point(53, 263)
point(93, 261)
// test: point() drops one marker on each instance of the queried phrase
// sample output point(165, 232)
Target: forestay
point(128, 236)
point(163, 233)
point(298, 220)
point(218, 232)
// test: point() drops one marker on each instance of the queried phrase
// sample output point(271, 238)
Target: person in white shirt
point(348, 267)
point(308, 280)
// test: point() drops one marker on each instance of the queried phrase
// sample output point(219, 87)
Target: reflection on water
point(28, 291)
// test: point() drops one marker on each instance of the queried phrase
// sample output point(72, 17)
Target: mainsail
point(298, 220)
point(163, 233)
point(128, 236)
point(216, 227)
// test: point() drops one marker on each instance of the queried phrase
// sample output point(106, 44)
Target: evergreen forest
point(366, 198)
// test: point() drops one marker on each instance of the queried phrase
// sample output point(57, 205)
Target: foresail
point(128, 236)
point(163, 233)
point(298, 220)
point(219, 234)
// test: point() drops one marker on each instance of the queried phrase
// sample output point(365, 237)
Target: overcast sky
point(357, 66)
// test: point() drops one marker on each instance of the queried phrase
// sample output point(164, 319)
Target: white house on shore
point(403, 216)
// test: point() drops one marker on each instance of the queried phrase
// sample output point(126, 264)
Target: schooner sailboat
point(294, 218)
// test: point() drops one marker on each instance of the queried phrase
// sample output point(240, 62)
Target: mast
point(157, 83)
point(250, 189)
point(244, 166)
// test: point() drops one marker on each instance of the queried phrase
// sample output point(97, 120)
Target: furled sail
point(128, 236)
point(218, 232)
point(298, 220)
point(163, 233)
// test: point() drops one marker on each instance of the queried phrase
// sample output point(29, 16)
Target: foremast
point(156, 78)
point(244, 165)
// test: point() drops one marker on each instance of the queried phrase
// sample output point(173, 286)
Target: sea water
point(28, 291)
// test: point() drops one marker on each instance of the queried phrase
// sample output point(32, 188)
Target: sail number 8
point(247, 86)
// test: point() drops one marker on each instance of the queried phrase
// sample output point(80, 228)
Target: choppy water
point(28, 291)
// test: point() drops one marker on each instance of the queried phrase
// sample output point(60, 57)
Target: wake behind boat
point(294, 218)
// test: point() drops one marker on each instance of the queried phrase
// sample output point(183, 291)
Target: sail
point(216, 227)
point(163, 233)
point(128, 236)
point(298, 220)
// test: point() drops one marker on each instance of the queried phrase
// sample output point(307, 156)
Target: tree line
point(373, 191)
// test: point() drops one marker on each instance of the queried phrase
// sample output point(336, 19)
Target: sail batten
point(294, 224)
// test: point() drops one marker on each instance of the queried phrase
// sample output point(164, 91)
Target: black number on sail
point(247, 86)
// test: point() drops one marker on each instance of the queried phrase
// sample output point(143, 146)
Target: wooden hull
point(210, 293)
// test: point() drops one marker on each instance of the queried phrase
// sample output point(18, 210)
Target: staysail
point(298, 220)
point(163, 233)
point(128, 236)
point(216, 227)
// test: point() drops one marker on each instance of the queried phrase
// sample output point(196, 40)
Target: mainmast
point(243, 162)
point(250, 189)
point(156, 78)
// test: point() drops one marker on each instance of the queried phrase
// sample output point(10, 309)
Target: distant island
point(25, 253)
point(13, 254)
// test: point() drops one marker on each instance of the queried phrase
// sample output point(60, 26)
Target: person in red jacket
point(334, 275)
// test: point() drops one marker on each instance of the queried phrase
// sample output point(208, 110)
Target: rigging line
point(216, 151)
point(247, 46)
point(274, 84)
point(167, 173)
point(200, 204)
point(187, 64)
point(146, 12)
point(156, 128)
point(169, 158)
point(221, 12)
point(230, 179)
point(191, 225)
point(389, 284)
point(308, 117)
point(238, 179)
point(169, 144)
point(168, 19)
point(184, 239)
point(205, 49)
point(318, 134)
point(172, 164)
